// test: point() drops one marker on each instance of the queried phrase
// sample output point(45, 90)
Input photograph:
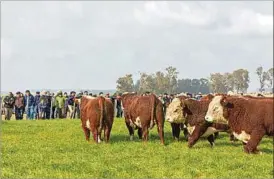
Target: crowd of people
point(46, 105)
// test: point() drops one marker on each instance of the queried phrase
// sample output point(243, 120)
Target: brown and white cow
point(142, 113)
point(191, 113)
point(249, 118)
point(97, 114)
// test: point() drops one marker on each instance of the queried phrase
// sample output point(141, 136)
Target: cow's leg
point(160, 127)
point(130, 130)
point(216, 134)
point(87, 132)
point(140, 133)
point(95, 134)
point(145, 133)
point(210, 139)
point(255, 138)
point(107, 133)
point(175, 131)
point(196, 134)
point(186, 134)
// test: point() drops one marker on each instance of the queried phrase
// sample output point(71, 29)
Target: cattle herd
point(244, 118)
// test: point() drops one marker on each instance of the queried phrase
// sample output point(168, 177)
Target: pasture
point(57, 149)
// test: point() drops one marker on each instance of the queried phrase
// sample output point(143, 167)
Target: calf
point(97, 114)
point(249, 118)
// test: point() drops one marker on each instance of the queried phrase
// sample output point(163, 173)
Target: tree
point(217, 83)
point(241, 80)
point(204, 86)
point(184, 85)
point(125, 84)
point(262, 77)
point(161, 82)
point(229, 81)
point(172, 79)
point(270, 77)
point(146, 83)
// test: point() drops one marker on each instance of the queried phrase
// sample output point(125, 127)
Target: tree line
point(167, 81)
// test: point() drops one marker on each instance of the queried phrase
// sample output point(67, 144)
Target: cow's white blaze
point(138, 122)
point(190, 129)
point(88, 124)
point(243, 136)
point(215, 111)
point(209, 131)
point(174, 112)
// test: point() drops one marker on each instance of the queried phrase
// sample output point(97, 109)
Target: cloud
point(231, 21)
point(189, 13)
point(247, 21)
point(6, 49)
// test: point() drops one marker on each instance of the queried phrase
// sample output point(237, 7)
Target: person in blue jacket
point(36, 104)
point(29, 105)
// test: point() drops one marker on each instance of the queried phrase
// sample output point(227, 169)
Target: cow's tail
point(102, 112)
point(153, 106)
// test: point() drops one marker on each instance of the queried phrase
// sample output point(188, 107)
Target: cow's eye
point(215, 108)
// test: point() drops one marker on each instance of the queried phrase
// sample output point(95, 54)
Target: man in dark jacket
point(29, 102)
point(19, 106)
point(48, 104)
point(71, 104)
point(166, 101)
point(36, 104)
point(9, 105)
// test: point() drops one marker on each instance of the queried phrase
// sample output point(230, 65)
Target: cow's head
point(174, 112)
point(218, 110)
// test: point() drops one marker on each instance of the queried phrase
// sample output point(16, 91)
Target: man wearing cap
point(199, 96)
point(19, 106)
point(9, 105)
point(36, 104)
point(43, 105)
point(29, 102)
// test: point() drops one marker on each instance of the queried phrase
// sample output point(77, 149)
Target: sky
point(90, 44)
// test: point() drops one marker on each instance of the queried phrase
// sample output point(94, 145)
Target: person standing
point(53, 106)
point(119, 106)
point(48, 105)
point(60, 105)
point(43, 105)
point(36, 104)
point(166, 101)
point(71, 105)
point(9, 102)
point(77, 105)
point(19, 106)
point(66, 104)
point(29, 102)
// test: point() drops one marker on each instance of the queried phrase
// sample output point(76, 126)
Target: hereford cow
point(249, 119)
point(142, 112)
point(192, 113)
point(97, 114)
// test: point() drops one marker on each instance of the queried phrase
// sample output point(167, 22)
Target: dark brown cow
point(249, 119)
point(192, 114)
point(142, 112)
point(97, 114)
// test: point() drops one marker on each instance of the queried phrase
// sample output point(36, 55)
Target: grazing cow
point(249, 118)
point(192, 113)
point(142, 112)
point(97, 114)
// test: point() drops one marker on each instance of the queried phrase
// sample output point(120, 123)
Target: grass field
point(57, 149)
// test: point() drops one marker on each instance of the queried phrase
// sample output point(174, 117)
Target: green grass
point(57, 149)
